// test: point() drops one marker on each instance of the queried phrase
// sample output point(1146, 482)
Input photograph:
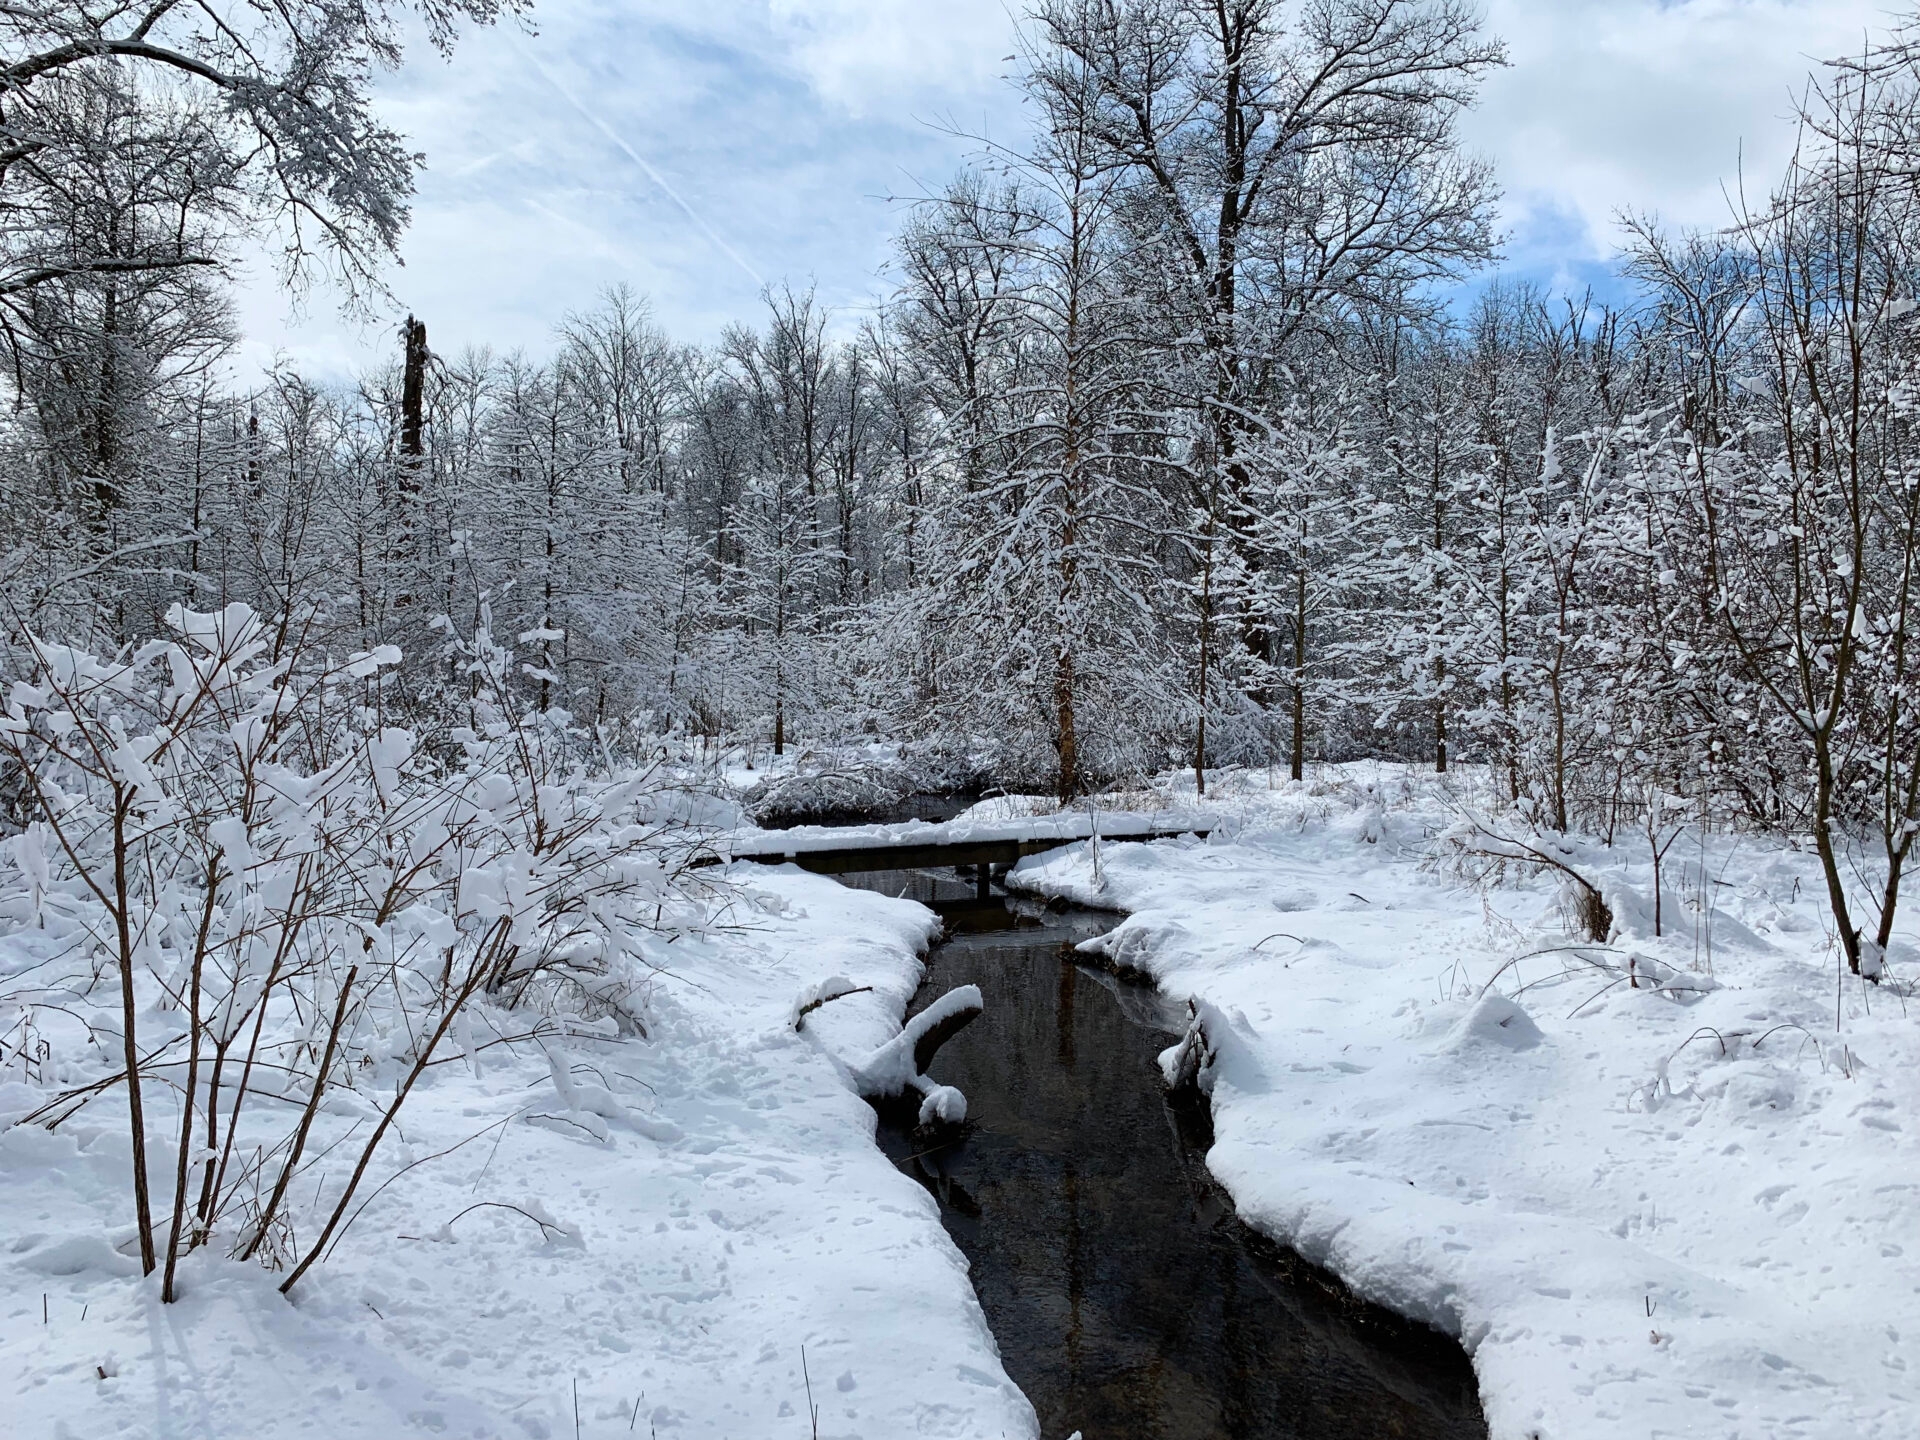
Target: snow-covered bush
point(231, 884)
point(1481, 849)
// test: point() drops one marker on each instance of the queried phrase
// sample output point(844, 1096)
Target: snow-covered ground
point(1659, 1187)
point(1671, 1198)
point(666, 1278)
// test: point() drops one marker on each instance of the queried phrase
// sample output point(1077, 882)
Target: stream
point(1128, 1300)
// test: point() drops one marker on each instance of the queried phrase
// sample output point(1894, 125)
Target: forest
point(1179, 442)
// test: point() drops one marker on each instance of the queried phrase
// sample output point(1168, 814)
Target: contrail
point(640, 160)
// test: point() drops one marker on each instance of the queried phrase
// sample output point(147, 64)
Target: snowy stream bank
point(1673, 1211)
point(686, 1214)
point(1672, 1208)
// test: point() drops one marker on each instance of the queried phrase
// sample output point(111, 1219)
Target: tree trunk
point(413, 389)
point(1829, 860)
point(1063, 684)
point(130, 1051)
point(1206, 660)
point(1296, 767)
point(183, 1161)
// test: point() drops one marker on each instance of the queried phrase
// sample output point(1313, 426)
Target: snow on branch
point(261, 894)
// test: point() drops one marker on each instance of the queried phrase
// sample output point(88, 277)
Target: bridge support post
point(985, 877)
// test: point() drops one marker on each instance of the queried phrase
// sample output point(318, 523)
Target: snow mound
point(1010, 807)
point(1495, 1022)
point(78, 1255)
point(943, 1105)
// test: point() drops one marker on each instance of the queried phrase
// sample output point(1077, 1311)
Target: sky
point(697, 150)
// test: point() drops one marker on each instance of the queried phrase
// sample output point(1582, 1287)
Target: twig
point(564, 1120)
point(1549, 950)
point(438, 1154)
point(812, 1409)
point(1277, 935)
point(545, 1225)
point(813, 1005)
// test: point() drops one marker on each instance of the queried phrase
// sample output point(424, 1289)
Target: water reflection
point(1128, 1300)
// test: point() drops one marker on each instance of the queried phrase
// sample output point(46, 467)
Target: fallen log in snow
point(900, 1065)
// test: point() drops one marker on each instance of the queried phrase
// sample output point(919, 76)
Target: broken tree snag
point(413, 392)
point(410, 476)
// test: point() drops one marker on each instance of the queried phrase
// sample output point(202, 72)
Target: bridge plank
point(924, 846)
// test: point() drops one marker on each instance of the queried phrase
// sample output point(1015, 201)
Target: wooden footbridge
point(979, 845)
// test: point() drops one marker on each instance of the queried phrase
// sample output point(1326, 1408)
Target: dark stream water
point(1128, 1300)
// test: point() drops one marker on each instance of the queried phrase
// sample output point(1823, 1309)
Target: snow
point(1658, 1187)
point(664, 1224)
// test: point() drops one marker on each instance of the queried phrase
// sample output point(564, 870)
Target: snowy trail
point(1633, 1233)
point(736, 1210)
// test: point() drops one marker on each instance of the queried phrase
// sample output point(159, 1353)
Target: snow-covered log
point(900, 1065)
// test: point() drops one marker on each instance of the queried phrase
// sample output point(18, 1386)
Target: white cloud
point(880, 57)
point(710, 141)
point(1616, 104)
point(785, 125)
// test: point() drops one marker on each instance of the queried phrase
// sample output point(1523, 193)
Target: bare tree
point(1294, 162)
point(275, 98)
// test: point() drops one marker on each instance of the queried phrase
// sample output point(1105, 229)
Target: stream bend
point(1128, 1300)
